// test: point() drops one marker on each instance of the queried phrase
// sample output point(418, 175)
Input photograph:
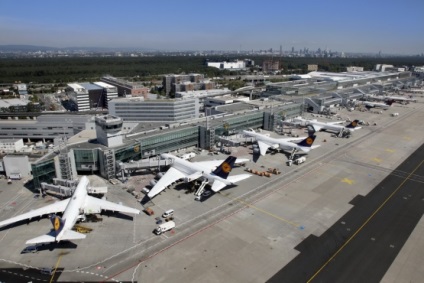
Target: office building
point(269, 66)
point(354, 69)
point(235, 65)
point(174, 83)
point(78, 97)
point(125, 87)
point(109, 92)
point(154, 110)
point(312, 67)
point(11, 145)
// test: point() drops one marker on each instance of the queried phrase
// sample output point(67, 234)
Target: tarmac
point(255, 231)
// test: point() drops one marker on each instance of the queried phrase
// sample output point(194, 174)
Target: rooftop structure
point(201, 93)
point(223, 100)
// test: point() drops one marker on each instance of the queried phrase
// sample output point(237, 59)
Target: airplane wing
point(217, 185)
point(238, 178)
point(48, 209)
point(92, 203)
point(263, 147)
point(50, 237)
point(170, 176)
point(292, 139)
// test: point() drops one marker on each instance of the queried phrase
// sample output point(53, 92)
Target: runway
point(362, 245)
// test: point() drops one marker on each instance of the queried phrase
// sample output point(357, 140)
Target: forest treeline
point(64, 70)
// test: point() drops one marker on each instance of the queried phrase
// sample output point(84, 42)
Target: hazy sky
point(350, 26)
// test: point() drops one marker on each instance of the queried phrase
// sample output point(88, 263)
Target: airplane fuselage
point(192, 170)
point(330, 127)
point(283, 145)
point(72, 210)
point(376, 105)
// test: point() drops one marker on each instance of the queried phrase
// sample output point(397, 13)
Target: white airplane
point(400, 99)
point(72, 207)
point(370, 104)
point(392, 98)
point(190, 171)
point(287, 144)
point(334, 127)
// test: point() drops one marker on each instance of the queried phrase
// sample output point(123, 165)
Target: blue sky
point(350, 26)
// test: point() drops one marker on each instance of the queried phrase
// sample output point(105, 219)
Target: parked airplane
point(393, 98)
point(385, 106)
point(190, 171)
point(286, 144)
point(329, 126)
point(79, 203)
point(400, 99)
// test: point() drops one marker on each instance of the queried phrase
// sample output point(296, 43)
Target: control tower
point(108, 130)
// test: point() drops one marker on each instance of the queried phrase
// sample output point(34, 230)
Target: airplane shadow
point(68, 245)
point(255, 157)
point(22, 222)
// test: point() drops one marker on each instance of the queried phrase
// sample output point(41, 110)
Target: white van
point(168, 213)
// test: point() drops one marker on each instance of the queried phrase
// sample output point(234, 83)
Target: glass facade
point(43, 172)
point(239, 123)
point(129, 152)
point(170, 141)
point(86, 159)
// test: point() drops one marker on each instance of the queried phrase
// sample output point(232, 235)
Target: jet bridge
point(143, 164)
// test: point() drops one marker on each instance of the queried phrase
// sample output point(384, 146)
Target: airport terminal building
point(101, 153)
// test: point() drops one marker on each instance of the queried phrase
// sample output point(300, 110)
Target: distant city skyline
point(355, 26)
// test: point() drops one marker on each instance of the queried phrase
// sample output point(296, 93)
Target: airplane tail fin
point(58, 223)
point(225, 168)
point(307, 142)
point(353, 124)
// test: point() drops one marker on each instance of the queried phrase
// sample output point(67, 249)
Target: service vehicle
point(168, 213)
point(162, 228)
